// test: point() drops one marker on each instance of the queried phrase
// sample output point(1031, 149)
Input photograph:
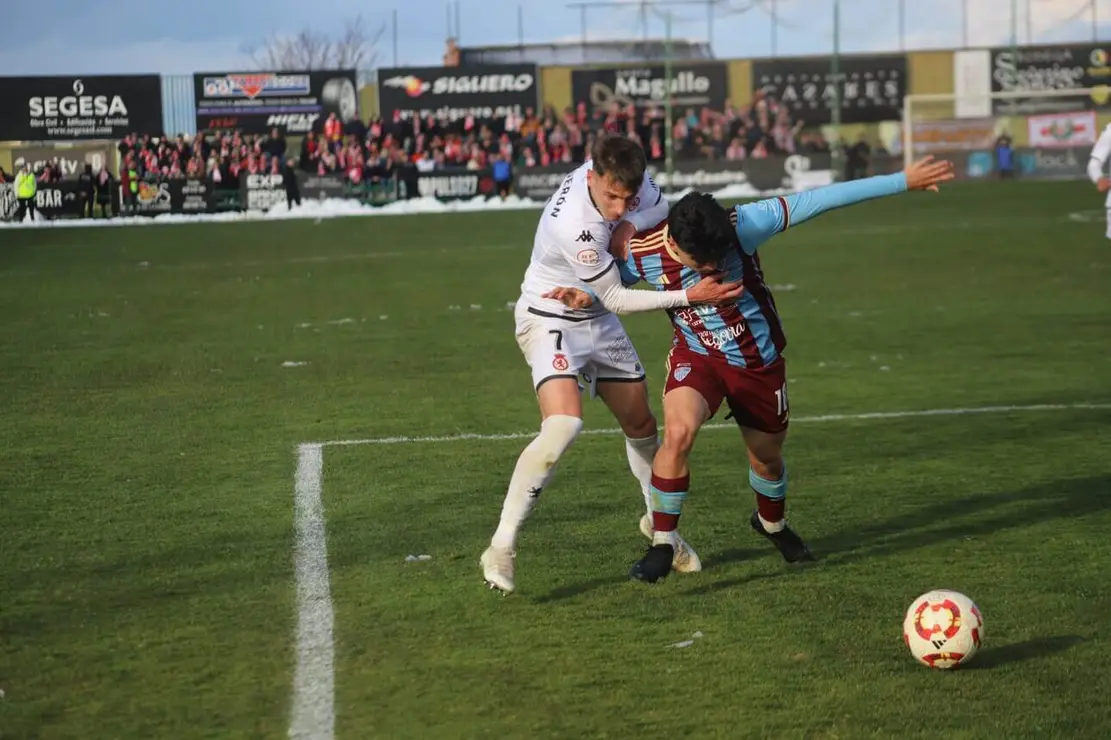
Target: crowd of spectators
point(371, 152)
point(545, 137)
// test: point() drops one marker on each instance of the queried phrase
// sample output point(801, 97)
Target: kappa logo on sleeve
point(586, 236)
point(588, 257)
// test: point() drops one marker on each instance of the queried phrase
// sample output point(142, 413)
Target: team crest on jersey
point(559, 362)
point(681, 373)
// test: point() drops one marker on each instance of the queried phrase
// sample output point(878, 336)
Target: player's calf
point(768, 518)
point(685, 410)
point(627, 400)
point(534, 469)
point(671, 479)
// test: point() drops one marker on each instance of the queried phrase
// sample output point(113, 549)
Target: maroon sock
point(771, 509)
point(668, 494)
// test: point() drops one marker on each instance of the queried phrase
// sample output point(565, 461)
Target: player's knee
point(640, 427)
point(678, 438)
point(771, 467)
point(557, 432)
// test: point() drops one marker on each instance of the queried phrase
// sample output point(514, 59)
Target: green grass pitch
point(149, 445)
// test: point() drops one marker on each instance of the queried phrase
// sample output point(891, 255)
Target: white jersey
point(571, 246)
point(1097, 165)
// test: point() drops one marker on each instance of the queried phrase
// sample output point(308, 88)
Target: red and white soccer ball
point(943, 629)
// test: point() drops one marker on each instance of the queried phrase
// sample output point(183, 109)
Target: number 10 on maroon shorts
point(756, 396)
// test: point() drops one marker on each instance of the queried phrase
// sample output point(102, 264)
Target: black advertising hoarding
point(1064, 67)
point(692, 85)
point(52, 200)
point(191, 195)
point(453, 93)
point(261, 192)
point(69, 108)
point(871, 88)
point(321, 187)
point(792, 173)
point(1033, 164)
point(292, 102)
point(9, 204)
point(70, 160)
point(538, 183)
point(454, 184)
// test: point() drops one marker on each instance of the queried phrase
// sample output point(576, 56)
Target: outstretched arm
point(711, 289)
point(594, 265)
point(757, 222)
point(621, 300)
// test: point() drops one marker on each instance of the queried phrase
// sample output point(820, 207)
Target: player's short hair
point(701, 227)
point(620, 158)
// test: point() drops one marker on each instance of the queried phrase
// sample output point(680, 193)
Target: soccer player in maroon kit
point(732, 353)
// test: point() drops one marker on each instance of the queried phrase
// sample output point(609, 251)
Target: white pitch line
point(877, 415)
point(314, 715)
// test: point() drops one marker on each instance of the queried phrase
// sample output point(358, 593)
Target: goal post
point(952, 122)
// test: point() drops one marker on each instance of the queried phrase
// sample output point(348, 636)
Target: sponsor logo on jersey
point(585, 236)
point(587, 257)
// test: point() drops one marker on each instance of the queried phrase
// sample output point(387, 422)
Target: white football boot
point(498, 568)
point(686, 559)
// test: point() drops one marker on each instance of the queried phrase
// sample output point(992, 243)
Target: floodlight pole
point(669, 144)
point(835, 75)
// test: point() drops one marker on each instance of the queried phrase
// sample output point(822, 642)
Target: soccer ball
point(943, 629)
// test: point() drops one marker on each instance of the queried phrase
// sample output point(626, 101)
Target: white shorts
point(555, 347)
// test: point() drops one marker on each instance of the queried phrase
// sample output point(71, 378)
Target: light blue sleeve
point(757, 222)
point(628, 270)
point(630, 276)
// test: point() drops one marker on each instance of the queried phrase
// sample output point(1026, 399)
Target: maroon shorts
point(756, 396)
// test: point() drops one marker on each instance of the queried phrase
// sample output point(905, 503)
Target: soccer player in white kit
point(571, 247)
point(1097, 170)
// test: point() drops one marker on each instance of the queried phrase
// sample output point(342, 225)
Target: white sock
point(641, 452)
point(773, 527)
point(534, 469)
point(666, 538)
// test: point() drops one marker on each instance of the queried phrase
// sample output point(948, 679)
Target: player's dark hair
point(701, 227)
point(620, 158)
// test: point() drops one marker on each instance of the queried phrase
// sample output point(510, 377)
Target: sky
point(137, 36)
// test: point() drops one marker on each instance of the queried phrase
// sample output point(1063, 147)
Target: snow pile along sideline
point(339, 208)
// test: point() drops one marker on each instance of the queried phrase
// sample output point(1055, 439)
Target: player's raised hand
point(712, 289)
point(927, 173)
point(570, 297)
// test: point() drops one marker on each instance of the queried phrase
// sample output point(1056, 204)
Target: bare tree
point(307, 49)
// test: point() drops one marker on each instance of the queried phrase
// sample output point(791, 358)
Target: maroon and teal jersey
point(746, 333)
